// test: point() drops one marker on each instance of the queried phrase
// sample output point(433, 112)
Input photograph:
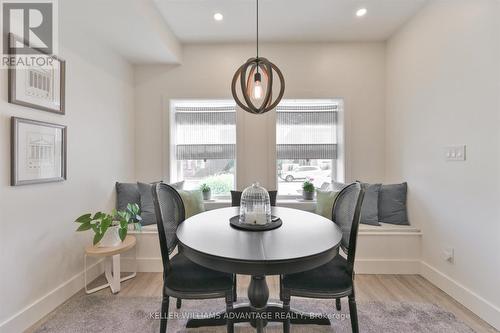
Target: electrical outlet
point(449, 255)
point(454, 153)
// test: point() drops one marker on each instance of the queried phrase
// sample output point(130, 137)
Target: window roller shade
point(306, 151)
point(205, 132)
point(210, 118)
point(205, 152)
point(306, 131)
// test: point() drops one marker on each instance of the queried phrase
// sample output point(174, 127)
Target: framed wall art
point(37, 81)
point(38, 152)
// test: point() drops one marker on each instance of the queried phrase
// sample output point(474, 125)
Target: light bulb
point(257, 90)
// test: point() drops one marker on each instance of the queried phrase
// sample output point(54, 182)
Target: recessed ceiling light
point(361, 12)
point(218, 17)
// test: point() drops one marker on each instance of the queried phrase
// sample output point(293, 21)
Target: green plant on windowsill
point(308, 190)
point(220, 184)
point(206, 191)
point(100, 222)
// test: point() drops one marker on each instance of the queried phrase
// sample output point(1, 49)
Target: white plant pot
point(111, 237)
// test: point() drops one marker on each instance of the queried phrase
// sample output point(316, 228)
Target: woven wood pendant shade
point(242, 83)
point(254, 77)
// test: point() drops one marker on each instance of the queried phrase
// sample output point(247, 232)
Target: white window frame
point(340, 128)
point(171, 169)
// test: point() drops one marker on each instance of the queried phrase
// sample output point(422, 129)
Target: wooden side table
point(111, 264)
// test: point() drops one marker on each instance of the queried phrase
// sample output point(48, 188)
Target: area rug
point(96, 313)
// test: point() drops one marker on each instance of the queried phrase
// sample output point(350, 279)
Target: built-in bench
point(388, 249)
point(385, 249)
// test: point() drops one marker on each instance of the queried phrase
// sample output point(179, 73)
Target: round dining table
point(304, 241)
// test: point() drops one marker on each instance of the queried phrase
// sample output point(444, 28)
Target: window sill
point(216, 203)
point(364, 230)
point(309, 205)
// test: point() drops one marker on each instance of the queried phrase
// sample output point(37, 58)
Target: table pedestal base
point(258, 313)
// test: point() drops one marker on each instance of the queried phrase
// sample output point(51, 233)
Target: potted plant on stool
point(207, 192)
point(110, 229)
point(307, 190)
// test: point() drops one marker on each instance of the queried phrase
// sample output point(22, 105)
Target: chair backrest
point(346, 214)
point(169, 214)
point(236, 198)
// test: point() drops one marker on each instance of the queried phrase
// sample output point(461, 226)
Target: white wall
point(41, 255)
point(353, 71)
point(443, 87)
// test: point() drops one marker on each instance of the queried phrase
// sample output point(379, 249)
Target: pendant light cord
point(257, 34)
point(257, 29)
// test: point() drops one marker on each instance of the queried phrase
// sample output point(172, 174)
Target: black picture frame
point(16, 122)
point(12, 80)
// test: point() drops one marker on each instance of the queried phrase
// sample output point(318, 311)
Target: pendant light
point(254, 82)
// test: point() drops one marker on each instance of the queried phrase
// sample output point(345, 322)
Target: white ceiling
point(153, 31)
point(286, 20)
point(133, 28)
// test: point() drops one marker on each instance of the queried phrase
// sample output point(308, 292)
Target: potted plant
point(110, 229)
point(207, 192)
point(308, 190)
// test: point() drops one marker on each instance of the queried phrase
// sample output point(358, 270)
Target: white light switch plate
point(454, 153)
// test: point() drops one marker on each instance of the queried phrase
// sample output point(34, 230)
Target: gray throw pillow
point(392, 204)
point(369, 208)
point(127, 193)
point(148, 213)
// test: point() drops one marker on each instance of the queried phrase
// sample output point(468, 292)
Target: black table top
point(304, 241)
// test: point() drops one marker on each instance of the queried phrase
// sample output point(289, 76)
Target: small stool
point(111, 264)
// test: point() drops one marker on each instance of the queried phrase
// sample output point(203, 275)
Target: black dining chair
point(335, 279)
point(236, 198)
point(183, 278)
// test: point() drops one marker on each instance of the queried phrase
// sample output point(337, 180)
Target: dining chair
point(236, 198)
point(335, 279)
point(182, 278)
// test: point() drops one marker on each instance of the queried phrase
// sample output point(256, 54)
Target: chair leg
point(338, 306)
point(353, 312)
point(286, 309)
point(179, 303)
point(229, 312)
point(235, 295)
point(164, 314)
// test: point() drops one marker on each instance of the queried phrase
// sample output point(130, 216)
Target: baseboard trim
point(32, 313)
point(468, 298)
point(147, 264)
point(387, 266)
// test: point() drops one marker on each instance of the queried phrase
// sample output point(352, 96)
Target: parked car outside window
point(303, 172)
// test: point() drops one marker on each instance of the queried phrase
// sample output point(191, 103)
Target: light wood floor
point(409, 288)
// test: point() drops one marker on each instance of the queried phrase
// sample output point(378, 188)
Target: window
point(306, 143)
point(203, 144)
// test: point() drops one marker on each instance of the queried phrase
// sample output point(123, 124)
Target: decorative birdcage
point(255, 206)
